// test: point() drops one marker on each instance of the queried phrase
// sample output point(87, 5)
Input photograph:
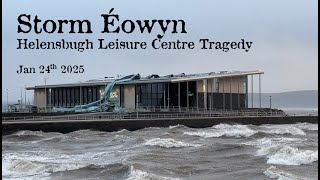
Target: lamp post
point(25, 97)
point(50, 105)
point(7, 90)
point(270, 106)
point(45, 94)
point(100, 99)
point(21, 102)
point(80, 96)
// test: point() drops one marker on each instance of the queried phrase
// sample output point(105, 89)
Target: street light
point(7, 100)
point(270, 106)
point(25, 97)
point(21, 105)
point(80, 96)
point(45, 94)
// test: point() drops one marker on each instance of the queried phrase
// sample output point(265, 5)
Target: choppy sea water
point(224, 151)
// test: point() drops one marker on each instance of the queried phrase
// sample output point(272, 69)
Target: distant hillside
point(292, 99)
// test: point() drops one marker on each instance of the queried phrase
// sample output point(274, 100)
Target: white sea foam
point(282, 129)
point(136, 174)
point(41, 164)
point(275, 173)
point(168, 143)
point(224, 130)
point(123, 131)
point(176, 126)
point(22, 168)
point(263, 142)
point(307, 126)
point(287, 155)
point(29, 133)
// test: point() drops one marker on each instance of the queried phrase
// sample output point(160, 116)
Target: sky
point(284, 35)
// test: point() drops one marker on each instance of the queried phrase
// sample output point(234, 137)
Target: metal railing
point(143, 116)
point(140, 108)
point(171, 112)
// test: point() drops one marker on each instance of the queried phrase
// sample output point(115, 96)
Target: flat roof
point(155, 79)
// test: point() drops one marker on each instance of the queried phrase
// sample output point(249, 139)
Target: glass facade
point(159, 94)
point(70, 96)
point(153, 94)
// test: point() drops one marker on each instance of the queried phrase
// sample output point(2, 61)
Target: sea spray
point(224, 130)
point(169, 143)
point(287, 155)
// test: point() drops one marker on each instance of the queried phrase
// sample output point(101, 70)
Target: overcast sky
point(284, 36)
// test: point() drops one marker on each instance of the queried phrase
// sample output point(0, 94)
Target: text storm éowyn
point(112, 24)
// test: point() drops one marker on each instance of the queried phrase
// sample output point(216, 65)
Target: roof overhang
point(217, 75)
point(155, 80)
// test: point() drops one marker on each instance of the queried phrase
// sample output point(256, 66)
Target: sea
point(223, 151)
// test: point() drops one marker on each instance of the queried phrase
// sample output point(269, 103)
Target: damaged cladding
point(111, 21)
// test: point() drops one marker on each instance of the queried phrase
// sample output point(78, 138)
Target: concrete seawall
point(132, 124)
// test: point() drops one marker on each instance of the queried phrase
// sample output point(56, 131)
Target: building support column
point(252, 91)
point(205, 94)
point(247, 93)
point(168, 98)
point(164, 99)
point(197, 95)
point(230, 93)
point(188, 95)
point(223, 96)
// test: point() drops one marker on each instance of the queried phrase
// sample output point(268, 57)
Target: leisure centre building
point(214, 90)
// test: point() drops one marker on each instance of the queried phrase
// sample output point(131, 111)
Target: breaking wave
point(30, 168)
point(136, 174)
point(263, 142)
point(287, 155)
point(169, 143)
point(307, 126)
point(283, 129)
point(274, 173)
point(224, 130)
point(176, 126)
